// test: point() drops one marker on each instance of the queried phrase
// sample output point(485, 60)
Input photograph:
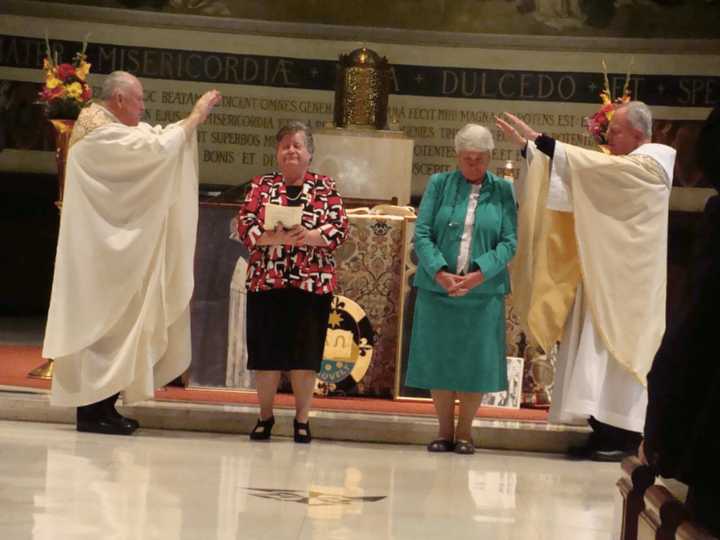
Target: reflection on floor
point(59, 484)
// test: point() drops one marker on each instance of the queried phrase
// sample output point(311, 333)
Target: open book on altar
point(289, 216)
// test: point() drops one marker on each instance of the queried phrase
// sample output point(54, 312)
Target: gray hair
point(639, 117)
point(296, 127)
point(474, 138)
point(116, 81)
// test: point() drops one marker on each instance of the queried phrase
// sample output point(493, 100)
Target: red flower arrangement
point(66, 90)
point(597, 124)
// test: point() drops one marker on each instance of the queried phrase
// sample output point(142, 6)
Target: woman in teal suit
point(465, 236)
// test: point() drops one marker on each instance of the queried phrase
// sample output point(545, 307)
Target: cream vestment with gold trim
point(119, 311)
point(590, 271)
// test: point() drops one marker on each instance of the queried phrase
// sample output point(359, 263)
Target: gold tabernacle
point(361, 90)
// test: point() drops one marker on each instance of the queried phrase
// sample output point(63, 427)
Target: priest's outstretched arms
point(200, 112)
point(590, 269)
point(119, 310)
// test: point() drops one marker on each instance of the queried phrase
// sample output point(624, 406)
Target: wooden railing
point(636, 479)
point(652, 512)
point(662, 515)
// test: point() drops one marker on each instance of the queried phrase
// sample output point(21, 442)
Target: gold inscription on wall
point(238, 140)
point(434, 132)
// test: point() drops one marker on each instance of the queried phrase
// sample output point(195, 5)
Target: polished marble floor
point(58, 484)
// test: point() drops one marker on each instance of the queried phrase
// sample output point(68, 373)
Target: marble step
point(20, 404)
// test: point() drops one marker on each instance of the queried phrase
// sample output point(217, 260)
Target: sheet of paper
point(289, 216)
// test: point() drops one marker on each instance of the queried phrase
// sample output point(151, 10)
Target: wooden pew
point(653, 512)
point(636, 479)
point(662, 515)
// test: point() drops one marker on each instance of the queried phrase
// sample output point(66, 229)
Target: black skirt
point(286, 329)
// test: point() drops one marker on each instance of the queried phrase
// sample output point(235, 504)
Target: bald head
point(122, 94)
point(117, 81)
point(630, 127)
point(639, 117)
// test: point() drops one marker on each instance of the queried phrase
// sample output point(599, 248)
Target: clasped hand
point(297, 236)
point(456, 285)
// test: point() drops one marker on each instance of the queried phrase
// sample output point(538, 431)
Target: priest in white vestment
point(591, 271)
point(119, 311)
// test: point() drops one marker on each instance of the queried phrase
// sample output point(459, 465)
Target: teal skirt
point(458, 343)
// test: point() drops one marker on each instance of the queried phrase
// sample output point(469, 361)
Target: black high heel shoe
point(300, 437)
point(263, 429)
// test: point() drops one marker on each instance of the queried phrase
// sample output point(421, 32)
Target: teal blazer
point(439, 228)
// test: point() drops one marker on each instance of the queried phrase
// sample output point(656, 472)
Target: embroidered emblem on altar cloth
point(311, 497)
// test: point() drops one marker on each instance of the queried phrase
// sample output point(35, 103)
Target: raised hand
point(515, 130)
point(205, 104)
point(200, 111)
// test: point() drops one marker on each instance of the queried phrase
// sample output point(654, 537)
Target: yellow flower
point(52, 81)
point(82, 70)
point(74, 90)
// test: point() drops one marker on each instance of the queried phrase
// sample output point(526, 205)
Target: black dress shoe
point(130, 421)
point(596, 452)
point(101, 417)
point(114, 416)
point(610, 456)
point(581, 452)
point(124, 421)
point(110, 412)
point(106, 426)
point(594, 442)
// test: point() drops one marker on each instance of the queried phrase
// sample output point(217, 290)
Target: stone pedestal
point(367, 164)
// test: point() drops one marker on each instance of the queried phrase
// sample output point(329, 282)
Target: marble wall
point(271, 72)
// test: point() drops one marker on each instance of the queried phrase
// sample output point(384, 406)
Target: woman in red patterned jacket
point(291, 276)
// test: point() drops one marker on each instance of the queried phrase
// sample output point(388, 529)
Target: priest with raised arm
point(119, 311)
point(590, 270)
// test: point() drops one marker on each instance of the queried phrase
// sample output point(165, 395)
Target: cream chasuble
point(119, 312)
point(592, 274)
